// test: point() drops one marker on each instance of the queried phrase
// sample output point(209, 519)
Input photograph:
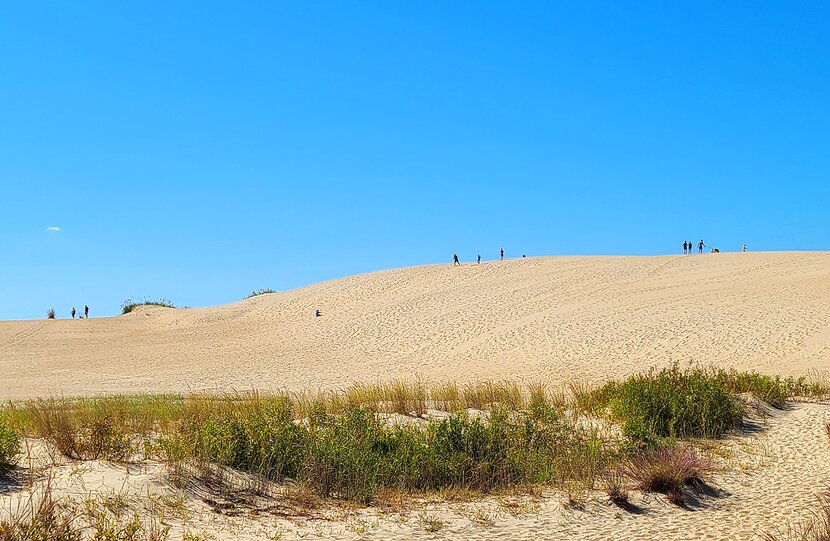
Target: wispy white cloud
point(53, 229)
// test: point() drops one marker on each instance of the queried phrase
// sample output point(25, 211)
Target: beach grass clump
point(668, 470)
point(261, 291)
point(112, 428)
point(9, 446)
point(129, 304)
point(671, 403)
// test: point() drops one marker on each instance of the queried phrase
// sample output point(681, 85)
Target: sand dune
point(549, 318)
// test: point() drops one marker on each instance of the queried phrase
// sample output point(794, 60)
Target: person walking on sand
point(73, 312)
point(86, 311)
point(501, 254)
point(700, 246)
point(744, 249)
point(455, 260)
point(685, 248)
point(478, 259)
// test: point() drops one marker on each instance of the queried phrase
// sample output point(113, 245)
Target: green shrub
point(672, 403)
point(9, 446)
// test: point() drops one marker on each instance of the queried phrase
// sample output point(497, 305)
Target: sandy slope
point(554, 318)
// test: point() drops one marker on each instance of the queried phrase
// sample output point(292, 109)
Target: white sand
point(552, 318)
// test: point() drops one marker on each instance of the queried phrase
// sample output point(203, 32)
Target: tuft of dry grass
point(615, 487)
point(668, 470)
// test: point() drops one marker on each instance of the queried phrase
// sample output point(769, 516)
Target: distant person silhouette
point(86, 311)
point(73, 312)
point(501, 254)
point(744, 249)
point(700, 246)
point(478, 259)
point(685, 248)
point(455, 260)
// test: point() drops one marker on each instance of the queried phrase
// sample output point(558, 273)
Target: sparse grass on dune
point(129, 304)
point(44, 518)
point(257, 292)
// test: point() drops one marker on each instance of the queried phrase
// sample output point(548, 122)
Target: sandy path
point(553, 318)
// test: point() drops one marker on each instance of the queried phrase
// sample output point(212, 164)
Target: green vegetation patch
point(671, 403)
point(352, 454)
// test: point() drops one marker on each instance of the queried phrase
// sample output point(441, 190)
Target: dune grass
point(351, 445)
point(129, 304)
point(261, 291)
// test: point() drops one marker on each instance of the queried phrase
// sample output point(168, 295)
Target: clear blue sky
point(199, 151)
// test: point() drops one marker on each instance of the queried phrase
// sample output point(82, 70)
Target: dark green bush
point(673, 403)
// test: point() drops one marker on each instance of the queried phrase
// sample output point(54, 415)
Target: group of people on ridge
point(86, 312)
point(688, 247)
point(455, 260)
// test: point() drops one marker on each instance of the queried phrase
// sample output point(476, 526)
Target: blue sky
point(198, 151)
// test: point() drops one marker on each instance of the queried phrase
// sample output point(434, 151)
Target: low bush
point(668, 470)
point(670, 403)
point(129, 304)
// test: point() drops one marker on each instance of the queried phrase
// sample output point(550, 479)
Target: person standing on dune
point(86, 311)
point(501, 254)
point(700, 246)
point(685, 247)
point(73, 312)
point(455, 260)
point(478, 259)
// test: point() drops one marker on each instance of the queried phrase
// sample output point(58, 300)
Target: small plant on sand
point(9, 447)
point(129, 304)
point(50, 313)
point(668, 470)
point(615, 481)
point(258, 292)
